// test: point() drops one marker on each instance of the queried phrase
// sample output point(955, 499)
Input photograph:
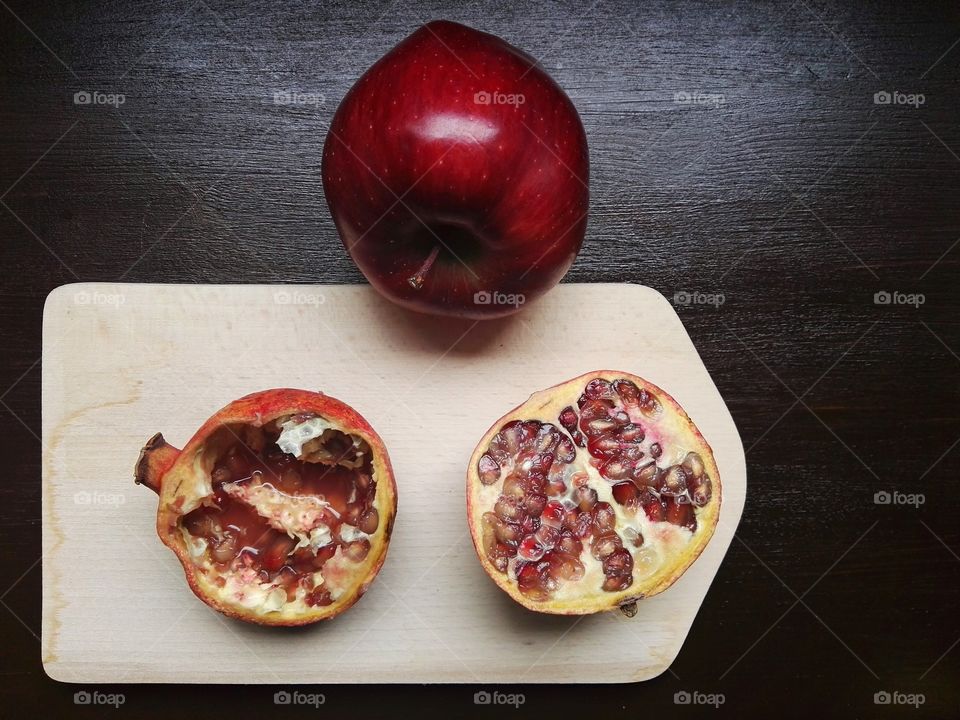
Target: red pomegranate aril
point(673, 482)
point(599, 426)
point(564, 567)
point(693, 465)
point(369, 521)
point(648, 403)
point(586, 497)
point(513, 486)
point(679, 511)
point(510, 437)
point(534, 504)
point(628, 392)
point(647, 475)
point(530, 550)
point(351, 516)
point(530, 580)
point(631, 433)
point(226, 550)
point(625, 493)
point(656, 450)
point(616, 469)
point(489, 470)
point(618, 569)
point(569, 544)
point(700, 493)
point(598, 389)
point(357, 550)
point(529, 524)
point(508, 508)
point(604, 516)
point(555, 488)
point(604, 446)
point(319, 596)
point(275, 556)
point(547, 438)
point(579, 479)
point(605, 544)
point(566, 452)
point(552, 514)
point(653, 506)
point(583, 528)
point(547, 536)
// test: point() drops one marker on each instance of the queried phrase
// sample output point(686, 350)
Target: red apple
point(456, 171)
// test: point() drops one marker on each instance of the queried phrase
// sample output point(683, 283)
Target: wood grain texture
point(685, 197)
point(123, 361)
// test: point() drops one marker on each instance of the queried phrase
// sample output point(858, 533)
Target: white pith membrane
point(622, 450)
point(272, 524)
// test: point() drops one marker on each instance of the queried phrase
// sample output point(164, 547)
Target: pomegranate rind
point(673, 425)
point(184, 476)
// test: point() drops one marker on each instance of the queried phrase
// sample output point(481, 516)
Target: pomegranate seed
point(605, 544)
point(566, 452)
point(631, 433)
point(552, 514)
point(646, 475)
point(583, 528)
point(530, 550)
point(598, 389)
point(507, 508)
point(275, 555)
point(510, 437)
point(673, 481)
point(489, 469)
point(547, 536)
point(565, 567)
point(679, 511)
point(648, 402)
point(369, 521)
point(579, 479)
point(513, 487)
point(693, 465)
point(547, 438)
point(599, 426)
point(604, 516)
point(700, 495)
point(627, 391)
point(357, 550)
point(534, 504)
point(625, 493)
point(615, 469)
point(586, 497)
point(632, 454)
point(570, 518)
point(569, 544)
point(507, 533)
point(621, 418)
point(530, 580)
point(656, 450)
point(619, 562)
point(654, 507)
point(568, 417)
point(352, 514)
point(633, 536)
point(604, 446)
point(528, 433)
point(556, 487)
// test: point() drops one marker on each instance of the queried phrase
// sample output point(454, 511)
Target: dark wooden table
point(785, 186)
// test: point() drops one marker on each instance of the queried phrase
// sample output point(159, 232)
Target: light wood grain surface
point(124, 361)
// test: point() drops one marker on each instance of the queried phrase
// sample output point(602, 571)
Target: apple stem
point(416, 281)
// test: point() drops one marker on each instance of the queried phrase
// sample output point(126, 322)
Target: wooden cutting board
point(121, 362)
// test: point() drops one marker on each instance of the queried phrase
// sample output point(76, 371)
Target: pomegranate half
point(280, 507)
point(591, 495)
